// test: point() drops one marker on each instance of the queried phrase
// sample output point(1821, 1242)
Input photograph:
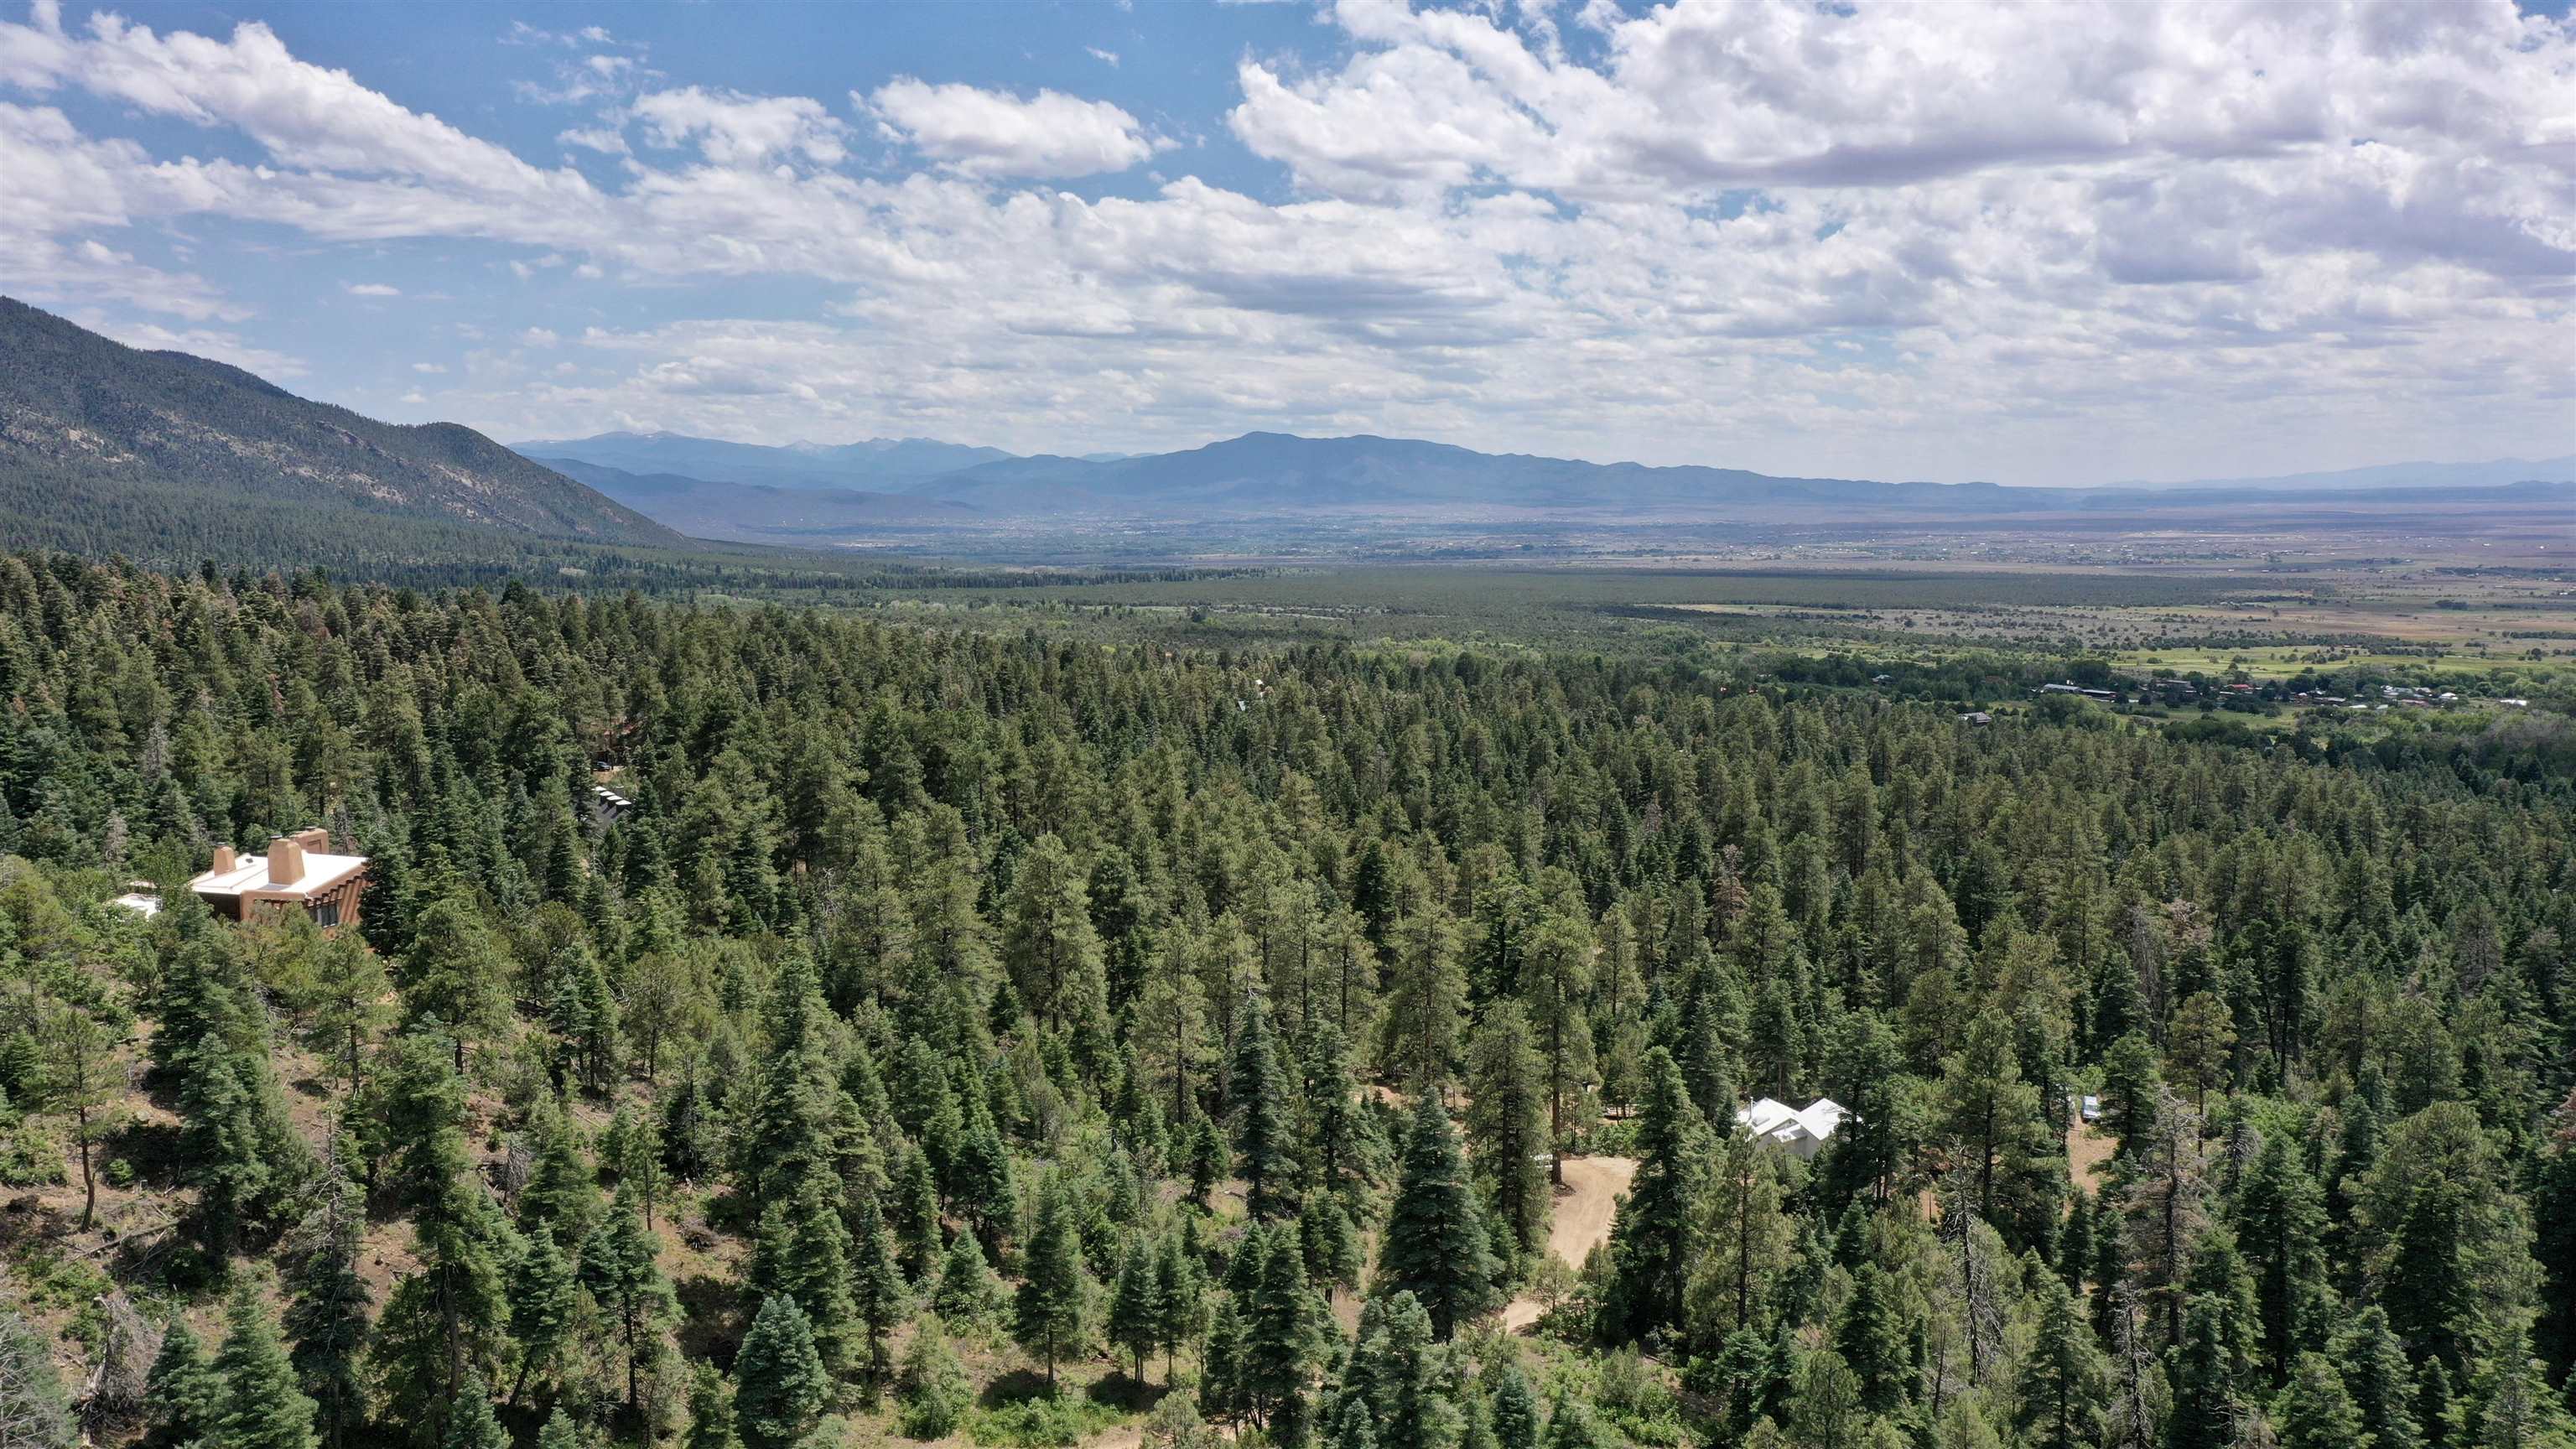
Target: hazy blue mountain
point(165, 455)
point(1263, 472)
point(2403, 475)
point(754, 513)
point(1279, 473)
point(877, 464)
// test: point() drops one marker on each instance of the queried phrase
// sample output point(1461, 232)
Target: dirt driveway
point(1582, 1222)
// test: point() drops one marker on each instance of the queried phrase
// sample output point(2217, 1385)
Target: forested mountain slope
point(957, 1015)
point(170, 457)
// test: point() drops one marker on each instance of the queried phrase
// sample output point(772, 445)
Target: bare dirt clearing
point(1582, 1222)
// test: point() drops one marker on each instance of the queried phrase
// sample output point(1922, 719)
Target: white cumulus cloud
point(994, 133)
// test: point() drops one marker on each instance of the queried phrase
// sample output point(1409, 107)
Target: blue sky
point(2025, 241)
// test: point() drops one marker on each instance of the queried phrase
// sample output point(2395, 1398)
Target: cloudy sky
point(2027, 240)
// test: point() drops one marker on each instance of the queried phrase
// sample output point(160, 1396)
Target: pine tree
point(1554, 980)
point(558, 1432)
point(876, 1288)
point(2381, 1383)
point(2280, 1224)
point(1048, 1311)
point(262, 1407)
point(1425, 999)
point(1135, 1306)
point(1180, 1288)
point(562, 1193)
point(782, 1388)
point(1872, 1339)
point(1506, 1122)
point(326, 1320)
point(1263, 1139)
point(1748, 1239)
point(544, 1299)
point(932, 1383)
point(2205, 1399)
point(182, 1394)
point(448, 1319)
point(455, 980)
point(1993, 1120)
point(1048, 942)
point(1515, 1415)
point(2065, 1379)
point(35, 1413)
point(1435, 1246)
point(1651, 1247)
point(968, 1291)
point(710, 1411)
point(620, 1265)
point(804, 1252)
point(2315, 1411)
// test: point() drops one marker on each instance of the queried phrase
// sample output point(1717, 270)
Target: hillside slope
point(753, 513)
point(165, 455)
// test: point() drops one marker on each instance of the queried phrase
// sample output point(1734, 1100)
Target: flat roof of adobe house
point(249, 875)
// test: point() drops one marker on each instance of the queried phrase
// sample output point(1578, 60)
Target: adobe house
point(298, 871)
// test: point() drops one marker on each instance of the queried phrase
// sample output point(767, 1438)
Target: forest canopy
point(1028, 1038)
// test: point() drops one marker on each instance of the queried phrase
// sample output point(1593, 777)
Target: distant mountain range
point(2496, 474)
point(1281, 475)
point(171, 457)
point(877, 464)
point(744, 512)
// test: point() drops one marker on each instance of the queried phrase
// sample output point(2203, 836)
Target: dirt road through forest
point(1583, 1210)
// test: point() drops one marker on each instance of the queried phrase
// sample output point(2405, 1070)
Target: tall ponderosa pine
point(1555, 978)
point(1747, 1239)
point(1651, 1247)
point(2280, 1221)
point(1506, 1121)
point(1435, 1246)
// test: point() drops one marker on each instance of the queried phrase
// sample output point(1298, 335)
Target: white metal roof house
point(1801, 1131)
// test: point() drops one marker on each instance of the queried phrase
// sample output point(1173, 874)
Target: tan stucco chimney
point(223, 860)
point(285, 861)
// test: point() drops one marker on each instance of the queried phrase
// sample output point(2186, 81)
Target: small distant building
point(1976, 717)
point(298, 872)
point(1802, 1132)
point(609, 803)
